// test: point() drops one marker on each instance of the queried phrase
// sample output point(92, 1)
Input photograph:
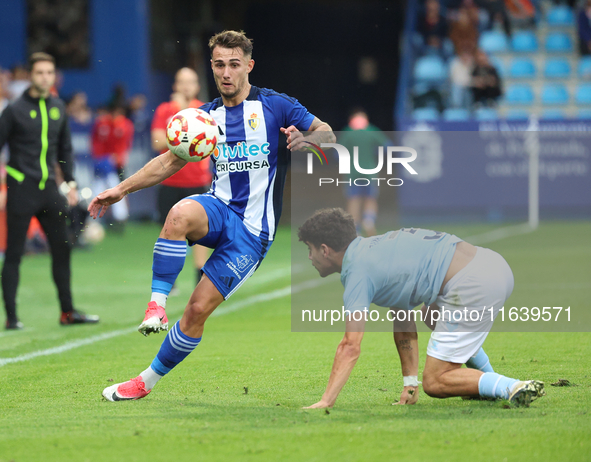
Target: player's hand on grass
point(410, 395)
point(295, 138)
point(319, 405)
point(99, 205)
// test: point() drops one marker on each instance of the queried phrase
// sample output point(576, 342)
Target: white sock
point(150, 378)
point(159, 298)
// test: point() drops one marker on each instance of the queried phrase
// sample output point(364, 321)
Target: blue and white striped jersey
point(249, 170)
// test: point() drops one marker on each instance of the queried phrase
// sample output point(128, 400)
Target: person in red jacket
point(193, 178)
point(121, 138)
point(103, 143)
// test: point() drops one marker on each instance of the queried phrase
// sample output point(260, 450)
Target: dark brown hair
point(333, 227)
point(38, 57)
point(231, 39)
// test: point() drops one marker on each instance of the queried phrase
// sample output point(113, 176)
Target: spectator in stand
point(454, 7)
point(523, 12)
point(584, 26)
point(3, 94)
point(464, 32)
point(497, 13)
point(486, 83)
point(193, 178)
point(460, 71)
point(81, 122)
point(122, 139)
point(433, 26)
point(105, 165)
point(140, 116)
point(19, 82)
point(80, 119)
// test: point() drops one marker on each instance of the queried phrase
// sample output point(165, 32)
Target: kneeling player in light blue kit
point(237, 218)
point(400, 270)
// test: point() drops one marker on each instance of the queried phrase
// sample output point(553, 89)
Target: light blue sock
point(480, 361)
point(493, 385)
point(169, 259)
point(174, 349)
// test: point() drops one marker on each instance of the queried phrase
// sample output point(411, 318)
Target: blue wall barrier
point(119, 50)
point(483, 167)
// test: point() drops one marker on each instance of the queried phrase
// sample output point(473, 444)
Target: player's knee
point(197, 312)
point(176, 224)
point(431, 385)
point(350, 349)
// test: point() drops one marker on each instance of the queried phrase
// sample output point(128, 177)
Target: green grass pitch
point(239, 395)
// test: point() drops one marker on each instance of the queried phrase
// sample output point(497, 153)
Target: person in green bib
point(36, 129)
point(362, 193)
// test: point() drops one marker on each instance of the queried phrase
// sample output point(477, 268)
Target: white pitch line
point(230, 308)
point(500, 233)
point(66, 346)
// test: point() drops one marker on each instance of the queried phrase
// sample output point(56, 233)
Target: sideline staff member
point(36, 129)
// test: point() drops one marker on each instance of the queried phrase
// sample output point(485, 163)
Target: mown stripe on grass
point(230, 308)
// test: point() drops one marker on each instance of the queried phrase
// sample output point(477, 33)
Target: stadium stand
point(541, 71)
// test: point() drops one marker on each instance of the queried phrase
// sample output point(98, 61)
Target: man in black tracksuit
point(38, 136)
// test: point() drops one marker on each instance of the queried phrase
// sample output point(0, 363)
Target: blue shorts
point(237, 252)
point(371, 190)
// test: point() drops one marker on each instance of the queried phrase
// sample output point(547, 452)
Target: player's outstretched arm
point(155, 171)
point(407, 344)
point(344, 361)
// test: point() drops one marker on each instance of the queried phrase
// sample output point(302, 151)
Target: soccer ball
point(94, 233)
point(192, 134)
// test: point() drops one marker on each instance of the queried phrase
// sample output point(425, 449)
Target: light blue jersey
point(399, 269)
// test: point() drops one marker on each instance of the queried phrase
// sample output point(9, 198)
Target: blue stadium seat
point(499, 65)
point(493, 42)
point(560, 16)
point(554, 94)
point(519, 94)
point(425, 113)
point(486, 113)
point(517, 114)
point(554, 114)
point(583, 94)
point(584, 68)
point(558, 42)
point(557, 68)
point(522, 68)
point(430, 69)
point(584, 114)
point(524, 41)
point(456, 114)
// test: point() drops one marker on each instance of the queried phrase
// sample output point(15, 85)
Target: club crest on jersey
point(253, 122)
